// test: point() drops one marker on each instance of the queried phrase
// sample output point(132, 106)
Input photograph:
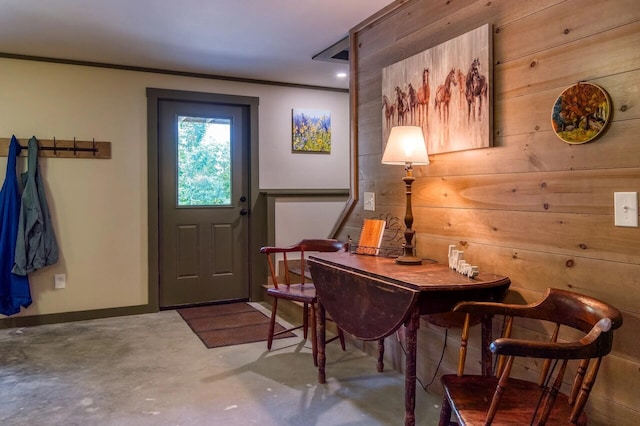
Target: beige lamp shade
point(405, 146)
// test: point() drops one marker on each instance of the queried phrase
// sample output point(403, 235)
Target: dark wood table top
point(429, 276)
point(370, 296)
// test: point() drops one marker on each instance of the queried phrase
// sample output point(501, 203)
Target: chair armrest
point(271, 250)
point(320, 245)
point(587, 347)
point(323, 245)
point(492, 308)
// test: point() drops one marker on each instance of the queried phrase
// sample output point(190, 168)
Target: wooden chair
point(505, 400)
point(299, 289)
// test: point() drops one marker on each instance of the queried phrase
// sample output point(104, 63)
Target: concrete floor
point(152, 369)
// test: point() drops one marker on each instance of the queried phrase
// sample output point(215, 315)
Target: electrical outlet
point(369, 201)
point(626, 208)
point(60, 280)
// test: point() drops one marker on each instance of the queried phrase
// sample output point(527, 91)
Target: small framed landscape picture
point(311, 131)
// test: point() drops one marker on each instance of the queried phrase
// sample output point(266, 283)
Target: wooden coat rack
point(58, 148)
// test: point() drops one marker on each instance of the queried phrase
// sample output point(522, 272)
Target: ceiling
point(270, 40)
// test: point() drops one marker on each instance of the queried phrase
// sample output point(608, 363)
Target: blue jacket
point(14, 289)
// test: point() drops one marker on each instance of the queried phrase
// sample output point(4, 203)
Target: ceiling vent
point(337, 52)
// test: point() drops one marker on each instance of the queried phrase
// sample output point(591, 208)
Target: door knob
point(244, 212)
point(243, 199)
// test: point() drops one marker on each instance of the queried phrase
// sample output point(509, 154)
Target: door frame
point(257, 216)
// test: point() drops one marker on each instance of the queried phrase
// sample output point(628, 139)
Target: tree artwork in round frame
point(581, 113)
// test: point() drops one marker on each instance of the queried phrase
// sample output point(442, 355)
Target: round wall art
point(581, 113)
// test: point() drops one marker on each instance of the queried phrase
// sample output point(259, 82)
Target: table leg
point(411, 326)
point(381, 355)
point(322, 340)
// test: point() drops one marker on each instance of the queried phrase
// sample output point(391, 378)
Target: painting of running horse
point(446, 90)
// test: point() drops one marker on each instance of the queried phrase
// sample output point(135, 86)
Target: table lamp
point(406, 146)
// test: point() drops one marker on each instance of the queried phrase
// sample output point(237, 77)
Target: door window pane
point(204, 161)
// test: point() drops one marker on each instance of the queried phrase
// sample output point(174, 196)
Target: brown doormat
point(229, 324)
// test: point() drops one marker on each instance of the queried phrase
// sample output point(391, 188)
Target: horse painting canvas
point(446, 90)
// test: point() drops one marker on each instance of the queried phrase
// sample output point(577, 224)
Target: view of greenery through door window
point(204, 161)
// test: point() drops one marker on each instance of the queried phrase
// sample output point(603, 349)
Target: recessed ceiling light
point(341, 74)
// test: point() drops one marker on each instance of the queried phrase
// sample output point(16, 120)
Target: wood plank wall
point(531, 207)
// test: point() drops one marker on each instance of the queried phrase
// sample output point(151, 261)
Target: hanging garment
point(14, 289)
point(36, 245)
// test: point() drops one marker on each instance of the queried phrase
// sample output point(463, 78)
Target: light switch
point(369, 201)
point(626, 208)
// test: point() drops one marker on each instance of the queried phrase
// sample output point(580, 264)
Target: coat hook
point(54, 146)
point(75, 147)
point(93, 140)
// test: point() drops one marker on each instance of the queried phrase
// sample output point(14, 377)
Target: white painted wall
point(279, 167)
point(99, 207)
point(300, 218)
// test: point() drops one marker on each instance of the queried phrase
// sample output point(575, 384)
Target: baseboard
point(29, 321)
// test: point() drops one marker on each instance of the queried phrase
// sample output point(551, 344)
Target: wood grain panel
point(576, 61)
point(564, 23)
point(610, 409)
point(536, 151)
point(611, 281)
point(532, 113)
point(430, 23)
point(413, 18)
point(614, 282)
point(592, 236)
point(579, 191)
point(531, 207)
point(370, 84)
point(371, 128)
